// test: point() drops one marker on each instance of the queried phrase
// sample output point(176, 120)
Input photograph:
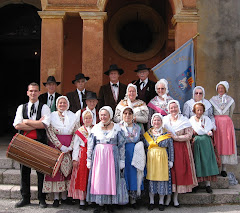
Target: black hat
point(141, 67)
point(51, 79)
point(80, 76)
point(91, 95)
point(114, 67)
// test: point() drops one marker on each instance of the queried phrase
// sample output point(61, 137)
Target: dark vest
point(41, 133)
point(141, 94)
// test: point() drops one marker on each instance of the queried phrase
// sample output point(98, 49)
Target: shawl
point(203, 126)
point(221, 106)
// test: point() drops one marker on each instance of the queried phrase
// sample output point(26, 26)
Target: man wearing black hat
point(146, 88)
point(51, 96)
point(77, 97)
point(112, 93)
point(91, 102)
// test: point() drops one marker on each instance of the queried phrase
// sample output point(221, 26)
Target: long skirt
point(130, 172)
point(59, 183)
point(183, 171)
point(204, 157)
point(158, 172)
point(104, 175)
point(79, 178)
point(225, 139)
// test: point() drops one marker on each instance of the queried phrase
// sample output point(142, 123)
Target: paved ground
point(7, 206)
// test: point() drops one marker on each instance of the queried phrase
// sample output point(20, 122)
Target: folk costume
point(111, 94)
point(134, 170)
point(140, 109)
point(60, 133)
point(183, 171)
point(77, 97)
point(32, 111)
point(79, 178)
point(224, 136)
point(160, 158)
point(204, 155)
point(188, 107)
point(159, 103)
point(105, 157)
point(47, 98)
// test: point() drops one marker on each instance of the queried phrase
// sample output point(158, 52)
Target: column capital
point(186, 15)
point(52, 14)
point(93, 15)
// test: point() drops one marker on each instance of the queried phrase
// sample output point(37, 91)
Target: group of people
point(127, 138)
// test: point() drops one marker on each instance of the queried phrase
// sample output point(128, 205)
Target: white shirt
point(115, 90)
point(144, 83)
point(49, 102)
point(80, 97)
point(45, 112)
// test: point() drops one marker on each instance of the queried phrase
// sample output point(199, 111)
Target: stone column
point(92, 48)
point(52, 46)
point(185, 23)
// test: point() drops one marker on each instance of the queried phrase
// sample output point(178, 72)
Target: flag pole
point(195, 36)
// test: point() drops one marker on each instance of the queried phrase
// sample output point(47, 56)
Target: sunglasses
point(198, 93)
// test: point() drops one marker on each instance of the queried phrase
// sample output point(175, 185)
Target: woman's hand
point(75, 164)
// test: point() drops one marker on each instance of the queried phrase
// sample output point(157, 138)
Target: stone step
point(7, 163)
point(219, 196)
point(221, 183)
point(12, 176)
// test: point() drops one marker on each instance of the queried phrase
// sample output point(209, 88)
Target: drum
point(34, 154)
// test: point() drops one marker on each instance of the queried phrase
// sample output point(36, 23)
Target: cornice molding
point(186, 15)
point(93, 15)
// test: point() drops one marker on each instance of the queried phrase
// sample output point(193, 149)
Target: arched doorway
point(20, 45)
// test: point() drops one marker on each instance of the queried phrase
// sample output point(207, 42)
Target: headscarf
point(226, 85)
point(64, 97)
point(162, 81)
point(174, 101)
point(121, 115)
point(199, 87)
point(159, 115)
point(128, 100)
point(107, 108)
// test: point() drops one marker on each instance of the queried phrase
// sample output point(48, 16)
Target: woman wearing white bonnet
point(105, 159)
point(134, 146)
point(160, 101)
point(183, 172)
point(199, 96)
point(79, 178)
point(139, 107)
point(224, 136)
point(160, 158)
point(63, 124)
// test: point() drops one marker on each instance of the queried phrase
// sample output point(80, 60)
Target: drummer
point(30, 120)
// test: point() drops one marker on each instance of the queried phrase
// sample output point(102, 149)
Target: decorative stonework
point(52, 14)
point(186, 15)
point(93, 15)
point(147, 15)
point(101, 4)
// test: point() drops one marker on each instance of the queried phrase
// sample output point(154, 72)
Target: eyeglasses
point(198, 93)
point(161, 88)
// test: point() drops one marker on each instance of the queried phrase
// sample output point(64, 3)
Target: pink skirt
point(103, 180)
point(224, 136)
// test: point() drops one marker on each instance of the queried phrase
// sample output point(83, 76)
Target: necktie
point(141, 85)
point(33, 110)
point(51, 100)
point(114, 85)
point(82, 94)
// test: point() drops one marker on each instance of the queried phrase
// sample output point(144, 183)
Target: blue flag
point(178, 70)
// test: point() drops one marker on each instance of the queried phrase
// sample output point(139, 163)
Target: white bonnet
point(154, 115)
point(174, 101)
point(224, 83)
point(64, 97)
point(162, 81)
point(107, 108)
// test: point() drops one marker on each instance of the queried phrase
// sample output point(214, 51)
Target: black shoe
point(22, 203)
point(98, 209)
point(55, 203)
point(177, 206)
point(209, 189)
point(161, 207)
point(83, 207)
point(68, 201)
point(110, 209)
point(150, 207)
point(42, 204)
point(224, 173)
point(195, 189)
point(135, 206)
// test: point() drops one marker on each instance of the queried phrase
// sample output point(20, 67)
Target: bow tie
point(114, 85)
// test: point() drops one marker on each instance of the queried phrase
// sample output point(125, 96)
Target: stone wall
point(218, 49)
